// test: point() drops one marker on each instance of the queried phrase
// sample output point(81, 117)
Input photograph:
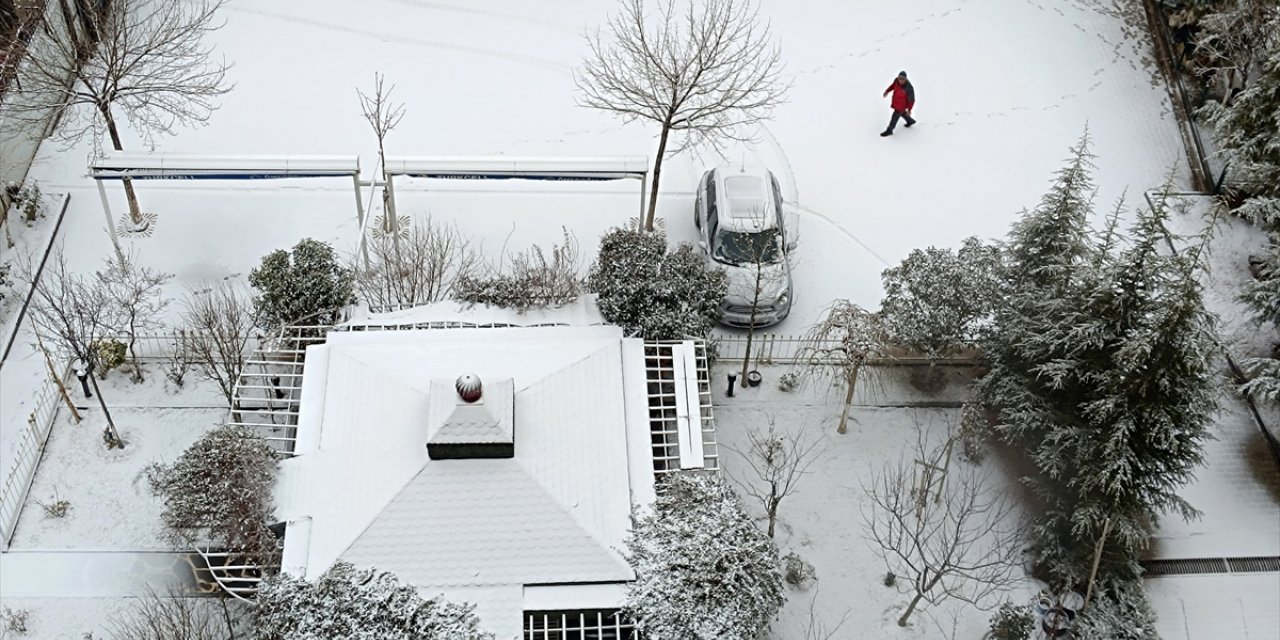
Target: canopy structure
point(120, 165)
point(516, 168)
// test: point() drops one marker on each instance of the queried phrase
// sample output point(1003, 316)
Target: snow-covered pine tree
point(219, 491)
point(1141, 362)
point(704, 571)
point(937, 300)
point(1263, 297)
point(307, 285)
point(1047, 255)
point(358, 604)
point(652, 293)
point(1247, 132)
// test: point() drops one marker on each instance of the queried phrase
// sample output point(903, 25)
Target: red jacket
point(904, 95)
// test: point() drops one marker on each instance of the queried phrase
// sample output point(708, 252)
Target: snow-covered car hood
point(774, 280)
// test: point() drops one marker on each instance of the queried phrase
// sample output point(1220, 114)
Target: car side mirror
point(702, 244)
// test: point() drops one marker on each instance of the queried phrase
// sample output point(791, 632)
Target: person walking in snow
point(904, 98)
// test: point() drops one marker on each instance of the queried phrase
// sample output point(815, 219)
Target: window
point(579, 624)
point(743, 249)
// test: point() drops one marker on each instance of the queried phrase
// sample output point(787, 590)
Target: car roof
point(744, 200)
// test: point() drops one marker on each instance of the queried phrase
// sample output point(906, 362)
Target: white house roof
point(555, 513)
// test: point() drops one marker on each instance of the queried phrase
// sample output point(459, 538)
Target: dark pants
point(893, 122)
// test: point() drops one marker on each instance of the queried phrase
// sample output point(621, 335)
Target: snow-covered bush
point(358, 604)
point(219, 491)
point(537, 279)
point(796, 571)
point(704, 571)
point(27, 199)
point(652, 293)
point(1012, 622)
point(1246, 131)
point(16, 620)
point(1262, 295)
point(307, 285)
point(110, 354)
point(1120, 613)
point(938, 300)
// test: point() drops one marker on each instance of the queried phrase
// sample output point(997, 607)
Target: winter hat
point(902, 74)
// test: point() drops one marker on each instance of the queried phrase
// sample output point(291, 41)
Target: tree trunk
point(62, 389)
point(902, 621)
point(1097, 559)
point(774, 501)
point(111, 425)
point(851, 385)
point(657, 173)
point(751, 327)
point(135, 212)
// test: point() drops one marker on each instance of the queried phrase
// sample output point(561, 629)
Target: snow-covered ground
point(822, 521)
point(1003, 86)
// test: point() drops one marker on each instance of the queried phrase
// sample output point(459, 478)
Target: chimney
point(466, 420)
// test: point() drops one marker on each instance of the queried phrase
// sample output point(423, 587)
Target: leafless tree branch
point(709, 73)
point(838, 345)
point(777, 461)
point(944, 531)
point(218, 326)
point(135, 292)
point(423, 267)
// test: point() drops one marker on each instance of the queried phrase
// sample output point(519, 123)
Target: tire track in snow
point(442, 6)
point(431, 44)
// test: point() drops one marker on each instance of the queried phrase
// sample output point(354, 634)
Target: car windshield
point(739, 249)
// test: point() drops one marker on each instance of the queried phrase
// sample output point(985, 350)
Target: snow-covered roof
point(580, 312)
point(555, 513)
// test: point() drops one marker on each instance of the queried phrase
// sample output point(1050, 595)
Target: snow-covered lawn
point(111, 506)
point(62, 619)
point(822, 521)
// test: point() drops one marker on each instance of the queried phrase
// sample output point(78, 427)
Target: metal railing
point(27, 454)
point(773, 348)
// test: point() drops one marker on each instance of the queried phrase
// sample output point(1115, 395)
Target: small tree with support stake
point(72, 311)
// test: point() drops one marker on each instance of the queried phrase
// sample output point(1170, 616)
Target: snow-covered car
point(739, 216)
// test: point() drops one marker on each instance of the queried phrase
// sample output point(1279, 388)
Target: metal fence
point(153, 348)
point(773, 348)
point(27, 454)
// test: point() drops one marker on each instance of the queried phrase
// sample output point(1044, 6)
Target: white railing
point(151, 348)
point(26, 456)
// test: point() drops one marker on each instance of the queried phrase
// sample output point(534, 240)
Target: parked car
point(739, 216)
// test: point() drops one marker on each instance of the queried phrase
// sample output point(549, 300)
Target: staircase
point(268, 393)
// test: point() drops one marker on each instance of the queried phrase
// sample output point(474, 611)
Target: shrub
point(796, 571)
point(704, 571)
point(306, 285)
point(347, 602)
point(219, 487)
point(1012, 622)
point(537, 280)
point(27, 199)
point(16, 620)
point(1118, 613)
point(111, 354)
point(652, 293)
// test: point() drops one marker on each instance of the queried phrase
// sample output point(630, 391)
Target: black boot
point(886, 133)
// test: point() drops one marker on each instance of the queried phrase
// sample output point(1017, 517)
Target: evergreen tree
point(306, 285)
point(652, 293)
point(1248, 132)
point(1262, 295)
point(358, 604)
point(704, 571)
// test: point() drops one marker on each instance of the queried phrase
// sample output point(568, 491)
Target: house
point(496, 466)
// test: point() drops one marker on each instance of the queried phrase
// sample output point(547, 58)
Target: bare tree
point(709, 72)
point(944, 531)
point(838, 346)
point(71, 311)
point(764, 255)
point(180, 615)
point(219, 324)
point(422, 268)
point(778, 460)
point(145, 59)
point(383, 116)
point(815, 629)
point(135, 293)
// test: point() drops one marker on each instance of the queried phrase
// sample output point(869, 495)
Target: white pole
point(111, 225)
point(364, 250)
point(644, 187)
